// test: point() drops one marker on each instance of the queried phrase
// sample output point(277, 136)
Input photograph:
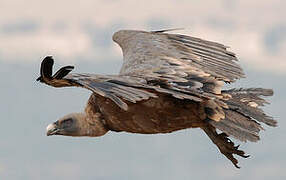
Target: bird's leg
point(224, 144)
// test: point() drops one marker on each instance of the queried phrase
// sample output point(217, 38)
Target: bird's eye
point(67, 122)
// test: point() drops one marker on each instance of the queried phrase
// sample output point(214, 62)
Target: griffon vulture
point(167, 82)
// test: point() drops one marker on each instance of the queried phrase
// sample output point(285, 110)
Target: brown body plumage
point(164, 114)
point(168, 82)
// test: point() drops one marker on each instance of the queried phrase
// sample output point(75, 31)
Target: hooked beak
point(52, 129)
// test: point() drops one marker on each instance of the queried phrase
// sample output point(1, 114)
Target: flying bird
point(168, 82)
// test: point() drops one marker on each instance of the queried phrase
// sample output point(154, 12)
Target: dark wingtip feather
point(167, 30)
point(63, 72)
point(46, 69)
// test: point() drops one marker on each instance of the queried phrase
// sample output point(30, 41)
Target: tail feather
point(238, 126)
point(247, 102)
point(243, 113)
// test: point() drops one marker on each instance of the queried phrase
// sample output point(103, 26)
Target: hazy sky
point(79, 33)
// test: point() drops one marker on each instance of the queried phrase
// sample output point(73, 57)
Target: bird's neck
point(91, 125)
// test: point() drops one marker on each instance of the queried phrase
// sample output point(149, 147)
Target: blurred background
point(79, 33)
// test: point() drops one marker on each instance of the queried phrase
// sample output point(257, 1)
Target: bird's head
point(76, 124)
point(66, 126)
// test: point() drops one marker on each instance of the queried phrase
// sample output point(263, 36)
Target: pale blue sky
point(80, 35)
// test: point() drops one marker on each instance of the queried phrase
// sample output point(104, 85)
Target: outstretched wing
point(157, 62)
point(114, 87)
point(185, 62)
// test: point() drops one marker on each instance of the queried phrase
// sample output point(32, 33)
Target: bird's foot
point(225, 145)
point(227, 148)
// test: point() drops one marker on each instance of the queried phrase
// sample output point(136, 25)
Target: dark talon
point(225, 145)
point(237, 166)
point(245, 156)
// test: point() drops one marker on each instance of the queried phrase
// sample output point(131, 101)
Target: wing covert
point(185, 62)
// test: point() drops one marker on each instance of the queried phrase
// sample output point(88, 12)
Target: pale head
point(76, 124)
